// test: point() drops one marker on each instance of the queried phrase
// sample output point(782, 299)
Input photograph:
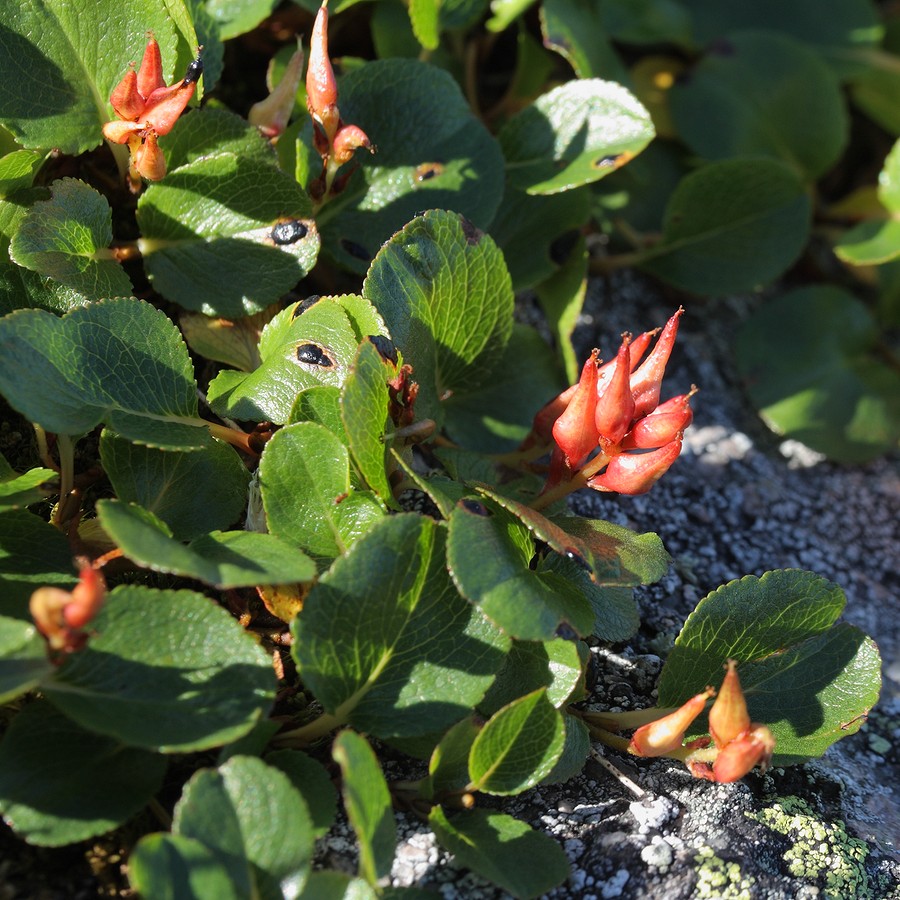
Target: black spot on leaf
point(355, 250)
point(385, 347)
point(475, 507)
point(427, 171)
point(303, 305)
point(288, 231)
point(578, 559)
point(566, 632)
point(314, 355)
point(472, 234)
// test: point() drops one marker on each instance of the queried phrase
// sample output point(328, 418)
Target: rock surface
point(739, 501)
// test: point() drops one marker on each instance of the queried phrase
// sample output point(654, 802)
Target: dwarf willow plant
point(296, 448)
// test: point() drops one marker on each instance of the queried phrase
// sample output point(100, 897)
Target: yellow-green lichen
point(720, 880)
point(821, 851)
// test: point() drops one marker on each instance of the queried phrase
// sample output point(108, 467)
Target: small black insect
point(194, 71)
point(385, 346)
point(314, 355)
point(288, 231)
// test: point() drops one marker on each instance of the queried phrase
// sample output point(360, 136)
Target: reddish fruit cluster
point(739, 743)
point(62, 615)
point(147, 109)
point(334, 141)
point(615, 409)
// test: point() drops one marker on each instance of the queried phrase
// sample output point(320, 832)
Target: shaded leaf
point(165, 670)
point(368, 804)
point(193, 493)
point(777, 626)
point(573, 28)
point(813, 369)
point(385, 642)
point(228, 559)
point(23, 658)
point(121, 362)
point(313, 782)
point(502, 849)
point(731, 226)
point(22, 490)
point(60, 783)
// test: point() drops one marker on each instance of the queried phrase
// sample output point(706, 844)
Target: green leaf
point(304, 478)
point(446, 297)
point(505, 12)
point(850, 26)
point(573, 28)
point(813, 368)
point(22, 490)
point(226, 560)
point(193, 493)
point(209, 238)
point(488, 553)
point(60, 783)
point(230, 341)
point(771, 97)
point(322, 405)
point(60, 61)
point(812, 682)
point(731, 226)
point(300, 348)
point(32, 553)
point(385, 642)
point(573, 135)
point(67, 238)
point(368, 804)
point(236, 17)
point(537, 233)
point(518, 746)
point(313, 782)
point(165, 866)
point(646, 21)
point(246, 809)
point(165, 670)
point(556, 665)
point(17, 170)
point(121, 362)
point(23, 658)
point(561, 297)
point(433, 153)
point(502, 849)
point(424, 16)
point(496, 416)
point(448, 767)
point(364, 411)
point(575, 751)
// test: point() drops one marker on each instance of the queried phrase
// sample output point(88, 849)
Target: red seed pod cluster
point(611, 425)
point(146, 109)
point(61, 616)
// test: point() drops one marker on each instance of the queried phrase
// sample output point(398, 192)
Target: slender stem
point(622, 721)
point(306, 734)
point(563, 489)
point(66, 450)
point(604, 265)
point(233, 436)
point(160, 812)
point(515, 458)
point(43, 448)
point(616, 741)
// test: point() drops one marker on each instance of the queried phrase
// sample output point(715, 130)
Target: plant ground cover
point(288, 537)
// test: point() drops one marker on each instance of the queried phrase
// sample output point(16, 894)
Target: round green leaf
point(413, 656)
point(731, 226)
point(368, 804)
point(575, 751)
point(208, 234)
point(17, 170)
point(505, 850)
point(193, 493)
point(23, 658)
point(226, 560)
point(30, 487)
point(518, 747)
point(247, 809)
point(850, 25)
point(59, 62)
point(60, 783)
point(812, 682)
point(489, 552)
point(67, 238)
point(166, 670)
point(575, 31)
point(170, 865)
point(769, 96)
point(300, 348)
point(433, 153)
point(446, 297)
point(313, 782)
point(870, 243)
point(304, 478)
point(121, 361)
point(573, 135)
point(813, 369)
